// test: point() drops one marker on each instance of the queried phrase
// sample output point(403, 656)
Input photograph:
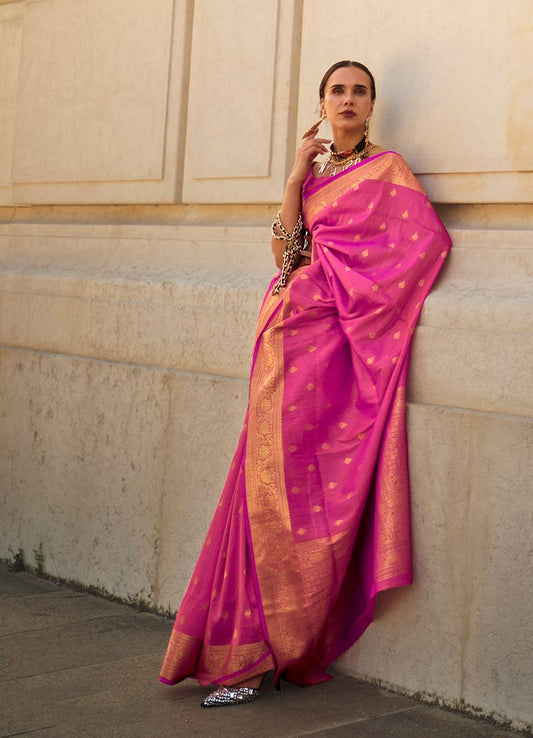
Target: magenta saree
point(313, 520)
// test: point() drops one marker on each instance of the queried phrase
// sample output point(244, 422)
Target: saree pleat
point(314, 517)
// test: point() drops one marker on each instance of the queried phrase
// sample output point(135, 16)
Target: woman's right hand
point(292, 199)
point(305, 155)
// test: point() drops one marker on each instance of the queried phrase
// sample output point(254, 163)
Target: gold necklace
point(338, 161)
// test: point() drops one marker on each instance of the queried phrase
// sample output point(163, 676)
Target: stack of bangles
point(293, 249)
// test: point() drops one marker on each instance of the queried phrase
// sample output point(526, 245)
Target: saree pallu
point(314, 519)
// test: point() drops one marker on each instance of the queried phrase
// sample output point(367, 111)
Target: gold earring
point(314, 128)
point(367, 127)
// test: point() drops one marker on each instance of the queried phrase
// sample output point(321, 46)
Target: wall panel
point(98, 101)
point(453, 88)
point(239, 105)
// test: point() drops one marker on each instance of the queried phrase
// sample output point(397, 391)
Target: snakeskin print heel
point(230, 696)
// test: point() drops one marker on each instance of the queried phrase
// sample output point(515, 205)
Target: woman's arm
point(292, 198)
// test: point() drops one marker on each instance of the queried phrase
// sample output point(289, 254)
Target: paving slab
point(75, 665)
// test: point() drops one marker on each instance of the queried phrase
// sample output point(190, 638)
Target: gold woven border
point(282, 591)
point(188, 656)
point(393, 557)
point(387, 167)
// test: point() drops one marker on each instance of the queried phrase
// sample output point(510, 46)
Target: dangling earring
point(367, 127)
point(314, 128)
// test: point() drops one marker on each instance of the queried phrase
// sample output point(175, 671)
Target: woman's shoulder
point(376, 150)
point(394, 158)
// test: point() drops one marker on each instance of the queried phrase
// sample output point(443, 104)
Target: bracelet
point(286, 236)
point(292, 250)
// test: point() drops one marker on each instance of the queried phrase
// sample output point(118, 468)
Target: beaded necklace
point(338, 161)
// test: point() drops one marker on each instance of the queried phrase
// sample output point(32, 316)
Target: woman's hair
point(346, 63)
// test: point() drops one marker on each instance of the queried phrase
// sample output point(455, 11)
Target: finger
point(314, 143)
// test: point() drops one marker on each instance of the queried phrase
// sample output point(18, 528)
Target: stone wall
point(143, 149)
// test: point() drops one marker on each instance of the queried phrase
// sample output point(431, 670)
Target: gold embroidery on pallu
point(181, 649)
point(228, 659)
point(394, 533)
point(386, 167)
point(233, 659)
point(277, 565)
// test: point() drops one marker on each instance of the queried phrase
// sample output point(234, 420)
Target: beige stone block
point(153, 294)
point(499, 595)
point(241, 99)
point(460, 632)
point(478, 187)
point(99, 464)
point(81, 456)
point(478, 370)
point(159, 295)
point(490, 308)
point(482, 259)
point(485, 284)
point(98, 101)
point(10, 40)
point(206, 417)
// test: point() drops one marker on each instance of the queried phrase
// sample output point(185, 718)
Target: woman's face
point(347, 102)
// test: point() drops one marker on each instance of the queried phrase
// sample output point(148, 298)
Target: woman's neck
point(344, 142)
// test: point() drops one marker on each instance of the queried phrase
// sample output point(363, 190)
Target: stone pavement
point(73, 664)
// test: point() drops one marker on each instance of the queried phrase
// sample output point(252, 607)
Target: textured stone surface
point(106, 476)
point(92, 670)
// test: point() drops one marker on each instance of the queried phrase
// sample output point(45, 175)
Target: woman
point(314, 516)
